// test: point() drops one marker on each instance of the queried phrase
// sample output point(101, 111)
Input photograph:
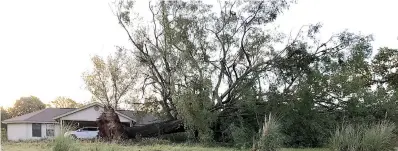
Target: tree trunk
point(110, 127)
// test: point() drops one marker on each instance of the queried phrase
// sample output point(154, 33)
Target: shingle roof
point(44, 115)
point(47, 116)
point(140, 118)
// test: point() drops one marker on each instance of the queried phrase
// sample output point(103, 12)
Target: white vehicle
point(83, 133)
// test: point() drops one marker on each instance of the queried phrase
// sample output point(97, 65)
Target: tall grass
point(62, 143)
point(270, 136)
point(375, 137)
point(68, 127)
point(379, 137)
point(346, 138)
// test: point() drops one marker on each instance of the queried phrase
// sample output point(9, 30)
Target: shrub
point(62, 143)
point(270, 137)
point(241, 136)
point(376, 137)
point(3, 134)
point(175, 137)
point(379, 137)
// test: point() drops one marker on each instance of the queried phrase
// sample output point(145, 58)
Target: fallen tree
point(110, 127)
point(221, 73)
point(155, 129)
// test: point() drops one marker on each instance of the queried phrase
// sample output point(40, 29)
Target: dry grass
point(87, 146)
point(91, 146)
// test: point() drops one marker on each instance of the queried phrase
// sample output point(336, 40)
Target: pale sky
point(45, 45)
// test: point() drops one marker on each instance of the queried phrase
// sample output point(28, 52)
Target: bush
point(62, 143)
point(3, 134)
point(241, 136)
point(376, 137)
point(379, 137)
point(175, 137)
point(270, 137)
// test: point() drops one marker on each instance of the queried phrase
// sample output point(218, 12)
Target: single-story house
point(51, 122)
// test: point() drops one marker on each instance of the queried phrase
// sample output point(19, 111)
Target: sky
point(46, 45)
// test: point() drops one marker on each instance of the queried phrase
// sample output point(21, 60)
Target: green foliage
point(26, 105)
point(175, 137)
point(64, 102)
point(194, 105)
point(221, 72)
point(376, 137)
point(61, 143)
point(3, 134)
point(111, 79)
point(4, 115)
point(242, 137)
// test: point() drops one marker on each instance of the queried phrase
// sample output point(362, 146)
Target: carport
point(87, 117)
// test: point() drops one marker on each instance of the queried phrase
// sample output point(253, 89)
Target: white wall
point(89, 114)
point(57, 130)
point(44, 127)
point(17, 131)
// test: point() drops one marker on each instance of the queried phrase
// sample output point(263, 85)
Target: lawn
point(89, 146)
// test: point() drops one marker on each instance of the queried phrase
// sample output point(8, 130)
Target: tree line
point(221, 71)
point(25, 105)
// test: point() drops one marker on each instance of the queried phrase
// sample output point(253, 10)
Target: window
point(36, 130)
point(50, 130)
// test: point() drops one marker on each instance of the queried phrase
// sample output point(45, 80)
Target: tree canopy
point(4, 116)
point(64, 102)
point(25, 105)
point(221, 70)
point(111, 79)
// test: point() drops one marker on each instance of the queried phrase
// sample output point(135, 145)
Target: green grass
point(306, 149)
point(93, 146)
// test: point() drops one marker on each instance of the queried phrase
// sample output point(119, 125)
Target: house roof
point(41, 116)
point(88, 106)
point(49, 115)
point(140, 118)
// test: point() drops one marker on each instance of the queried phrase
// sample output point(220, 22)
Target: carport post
point(62, 128)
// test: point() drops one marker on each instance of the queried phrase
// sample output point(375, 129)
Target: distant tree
point(4, 116)
point(64, 102)
point(112, 79)
point(26, 105)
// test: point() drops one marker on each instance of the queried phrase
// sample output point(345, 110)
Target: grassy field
point(89, 146)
